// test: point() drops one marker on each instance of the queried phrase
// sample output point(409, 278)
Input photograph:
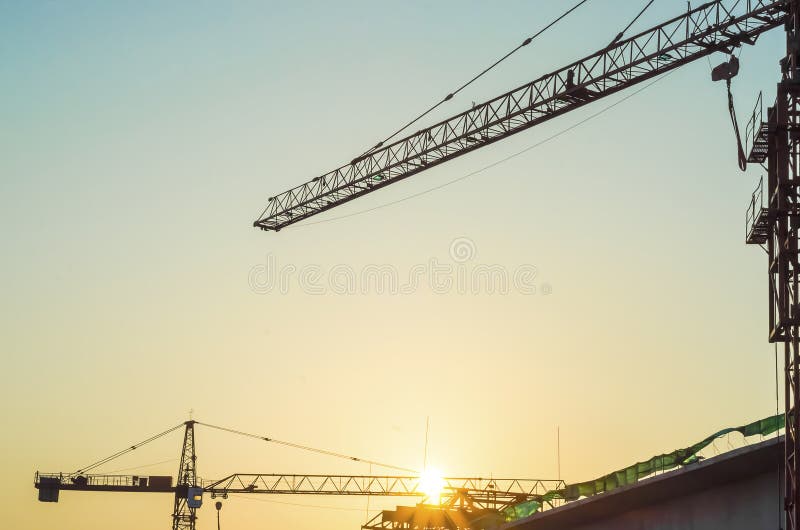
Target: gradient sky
point(141, 139)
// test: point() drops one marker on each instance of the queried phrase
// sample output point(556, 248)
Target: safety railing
point(755, 230)
point(79, 481)
point(753, 128)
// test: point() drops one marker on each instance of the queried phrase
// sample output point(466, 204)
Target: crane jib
point(695, 34)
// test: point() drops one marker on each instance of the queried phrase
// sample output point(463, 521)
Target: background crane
point(467, 498)
point(713, 27)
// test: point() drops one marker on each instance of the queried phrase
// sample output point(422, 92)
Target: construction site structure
point(772, 221)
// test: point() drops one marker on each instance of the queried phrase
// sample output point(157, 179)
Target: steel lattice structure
point(783, 156)
point(486, 492)
point(184, 517)
point(316, 485)
point(783, 250)
point(696, 34)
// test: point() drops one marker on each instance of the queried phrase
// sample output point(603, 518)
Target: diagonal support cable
point(306, 447)
point(126, 450)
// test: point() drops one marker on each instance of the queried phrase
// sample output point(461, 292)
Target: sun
point(431, 484)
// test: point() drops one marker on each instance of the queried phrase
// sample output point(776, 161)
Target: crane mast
point(699, 32)
point(781, 215)
point(185, 506)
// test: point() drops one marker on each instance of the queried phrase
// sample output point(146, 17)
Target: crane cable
point(307, 448)
point(136, 468)
point(621, 33)
point(126, 450)
point(241, 433)
point(450, 96)
point(524, 43)
point(732, 111)
point(298, 504)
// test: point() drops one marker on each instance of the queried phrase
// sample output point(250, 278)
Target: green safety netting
point(632, 474)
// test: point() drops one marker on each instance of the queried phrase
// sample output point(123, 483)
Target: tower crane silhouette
point(468, 498)
point(773, 219)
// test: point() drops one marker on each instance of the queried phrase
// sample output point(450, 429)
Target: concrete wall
point(752, 504)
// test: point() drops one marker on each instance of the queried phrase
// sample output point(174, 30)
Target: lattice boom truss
point(697, 33)
point(402, 486)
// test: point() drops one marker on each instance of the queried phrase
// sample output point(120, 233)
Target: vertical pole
point(425, 455)
point(558, 450)
point(184, 517)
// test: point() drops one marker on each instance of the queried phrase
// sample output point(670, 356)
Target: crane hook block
point(726, 71)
